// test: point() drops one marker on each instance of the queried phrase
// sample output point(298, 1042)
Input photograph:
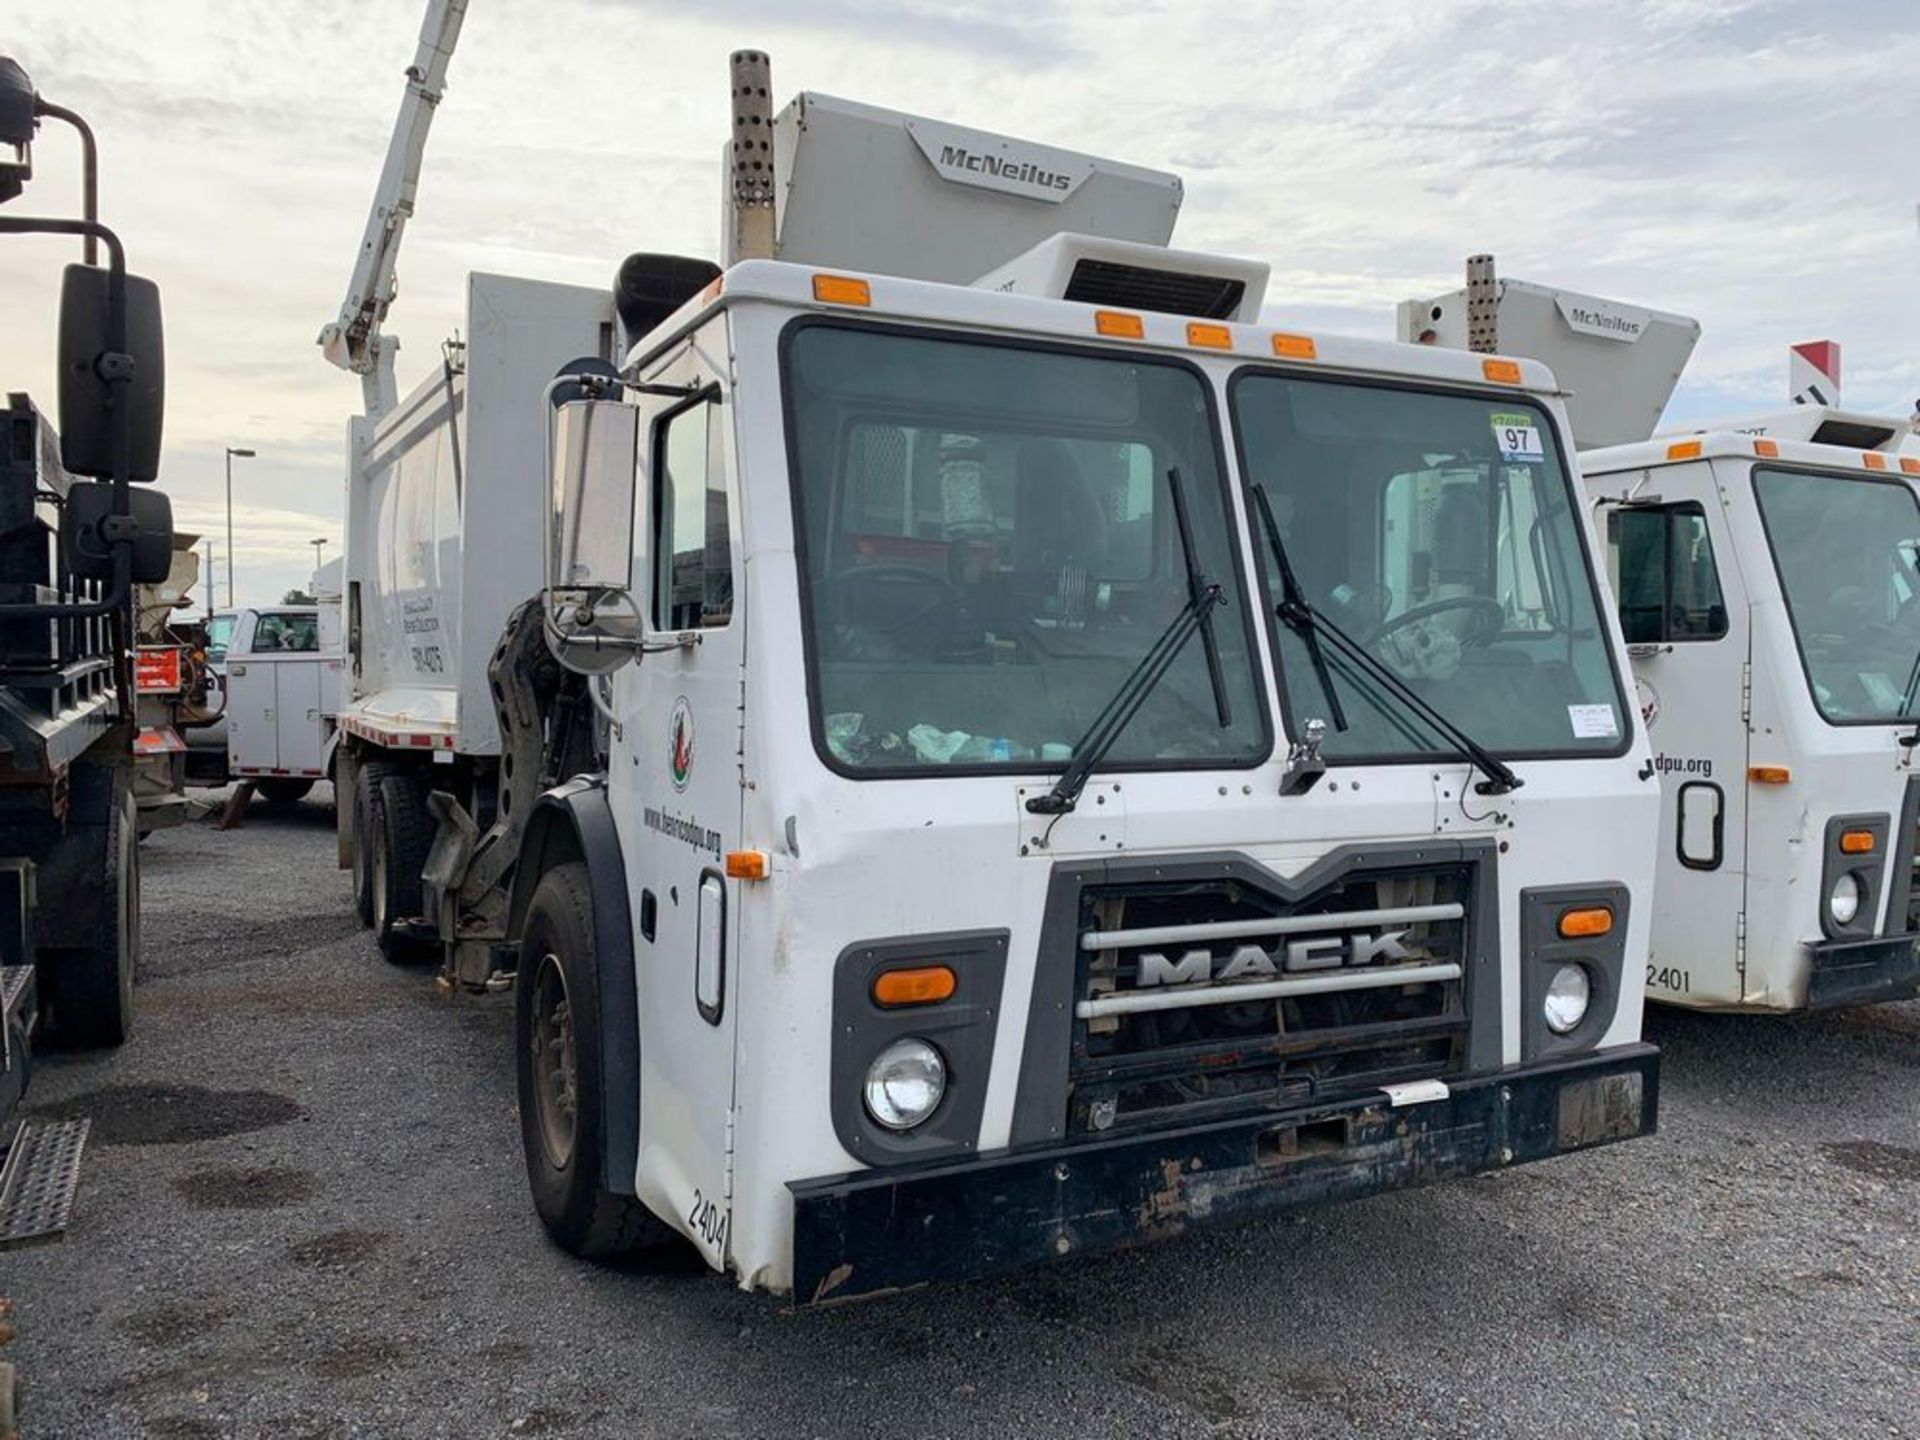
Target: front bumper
point(1862, 972)
point(881, 1230)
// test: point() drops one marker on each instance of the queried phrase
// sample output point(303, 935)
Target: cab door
point(1684, 612)
point(677, 760)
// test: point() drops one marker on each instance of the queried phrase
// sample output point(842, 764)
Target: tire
point(91, 983)
point(402, 835)
point(557, 1054)
point(366, 780)
point(283, 792)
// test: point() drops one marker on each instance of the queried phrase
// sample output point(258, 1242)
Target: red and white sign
point(1813, 373)
point(157, 670)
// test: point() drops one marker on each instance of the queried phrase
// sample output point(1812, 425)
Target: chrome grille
point(1360, 983)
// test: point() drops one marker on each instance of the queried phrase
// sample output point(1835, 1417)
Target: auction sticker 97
point(1518, 437)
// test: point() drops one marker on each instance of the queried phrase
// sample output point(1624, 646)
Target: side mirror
point(84, 532)
point(86, 394)
point(593, 622)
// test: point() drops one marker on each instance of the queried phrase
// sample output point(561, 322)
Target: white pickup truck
point(279, 694)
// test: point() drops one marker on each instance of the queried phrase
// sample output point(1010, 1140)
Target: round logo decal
point(680, 743)
point(1649, 699)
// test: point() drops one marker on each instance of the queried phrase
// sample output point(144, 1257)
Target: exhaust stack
point(750, 235)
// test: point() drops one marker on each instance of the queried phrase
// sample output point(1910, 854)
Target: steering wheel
point(1489, 609)
point(891, 573)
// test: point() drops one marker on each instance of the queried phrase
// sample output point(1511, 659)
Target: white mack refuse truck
point(1004, 754)
point(1766, 575)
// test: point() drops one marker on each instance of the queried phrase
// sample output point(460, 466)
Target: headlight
point(1844, 903)
point(905, 1083)
point(1567, 996)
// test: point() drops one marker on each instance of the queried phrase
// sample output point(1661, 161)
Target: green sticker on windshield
point(1518, 437)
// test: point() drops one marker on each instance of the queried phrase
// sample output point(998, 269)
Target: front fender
point(574, 822)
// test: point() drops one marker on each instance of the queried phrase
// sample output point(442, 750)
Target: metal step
point(14, 980)
point(38, 1180)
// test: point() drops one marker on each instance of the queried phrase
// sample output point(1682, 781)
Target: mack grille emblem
point(1252, 962)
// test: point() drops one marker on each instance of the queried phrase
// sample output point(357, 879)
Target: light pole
point(319, 552)
point(232, 452)
point(210, 579)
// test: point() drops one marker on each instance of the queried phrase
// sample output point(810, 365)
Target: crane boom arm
point(353, 341)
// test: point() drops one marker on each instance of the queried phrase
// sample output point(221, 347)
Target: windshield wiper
point(1299, 615)
point(1203, 596)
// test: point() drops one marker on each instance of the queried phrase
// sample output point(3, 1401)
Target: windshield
point(988, 549)
point(1844, 549)
point(219, 632)
point(1439, 531)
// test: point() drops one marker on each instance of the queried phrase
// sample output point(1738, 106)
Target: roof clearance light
point(1501, 372)
point(1769, 774)
point(1590, 921)
point(1214, 337)
point(1873, 461)
point(841, 290)
point(1295, 347)
point(1685, 450)
point(747, 864)
point(1909, 464)
point(1767, 449)
point(1856, 842)
point(922, 985)
point(1119, 325)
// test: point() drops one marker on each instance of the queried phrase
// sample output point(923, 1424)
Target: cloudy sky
point(1749, 162)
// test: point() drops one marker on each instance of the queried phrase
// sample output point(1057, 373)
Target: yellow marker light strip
point(1581, 924)
point(1685, 450)
point(1769, 774)
point(1214, 337)
point(1119, 325)
point(1873, 461)
point(924, 985)
point(1856, 842)
point(841, 290)
point(1910, 465)
point(1766, 449)
point(1295, 347)
point(1501, 372)
point(747, 864)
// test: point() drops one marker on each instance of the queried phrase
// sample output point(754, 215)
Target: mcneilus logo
point(1024, 172)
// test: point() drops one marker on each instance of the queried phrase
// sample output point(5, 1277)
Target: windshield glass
point(1844, 549)
point(219, 632)
point(1439, 531)
point(988, 548)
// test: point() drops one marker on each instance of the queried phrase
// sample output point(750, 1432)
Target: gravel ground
point(303, 1214)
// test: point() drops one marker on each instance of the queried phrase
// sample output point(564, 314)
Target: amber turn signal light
point(1584, 924)
point(923, 985)
point(1769, 774)
point(1856, 842)
point(747, 864)
point(841, 290)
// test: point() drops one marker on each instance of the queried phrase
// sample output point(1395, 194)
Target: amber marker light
point(1686, 450)
point(1766, 449)
point(841, 290)
point(1501, 372)
point(1119, 325)
point(1909, 464)
point(1873, 461)
point(1769, 774)
point(1587, 923)
point(1856, 842)
point(922, 985)
point(747, 864)
point(1295, 347)
point(1213, 337)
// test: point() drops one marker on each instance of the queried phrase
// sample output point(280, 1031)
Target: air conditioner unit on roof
point(861, 188)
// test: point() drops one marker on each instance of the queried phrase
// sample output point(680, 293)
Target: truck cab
point(1770, 599)
point(868, 1010)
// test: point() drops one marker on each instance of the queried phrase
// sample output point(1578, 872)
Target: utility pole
point(232, 453)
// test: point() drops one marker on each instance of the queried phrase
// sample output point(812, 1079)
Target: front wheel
point(399, 841)
point(557, 1051)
